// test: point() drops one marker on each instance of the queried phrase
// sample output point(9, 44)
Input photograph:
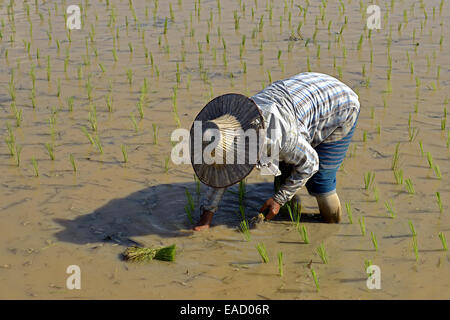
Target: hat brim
point(249, 116)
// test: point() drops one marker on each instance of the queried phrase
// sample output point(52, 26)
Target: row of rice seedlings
point(262, 252)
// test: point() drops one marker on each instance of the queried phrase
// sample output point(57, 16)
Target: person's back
point(319, 103)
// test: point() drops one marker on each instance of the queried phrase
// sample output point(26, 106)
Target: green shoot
point(437, 171)
point(411, 227)
point(369, 179)
point(430, 160)
point(124, 153)
point(409, 186)
point(322, 253)
point(390, 208)
point(374, 241)
point(348, 207)
point(398, 174)
point(245, 230)
point(262, 252)
point(396, 157)
point(72, 161)
point(362, 226)
point(35, 166)
point(439, 201)
point(303, 233)
point(415, 248)
point(443, 241)
point(280, 263)
point(316, 281)
point(50, 150)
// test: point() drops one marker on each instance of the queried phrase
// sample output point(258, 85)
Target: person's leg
point(322, 184)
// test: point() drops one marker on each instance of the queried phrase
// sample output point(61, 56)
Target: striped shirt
point(299, 113)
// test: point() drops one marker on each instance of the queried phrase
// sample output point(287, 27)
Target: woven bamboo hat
point(229, 115)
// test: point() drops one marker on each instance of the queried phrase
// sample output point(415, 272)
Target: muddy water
point(88, 218)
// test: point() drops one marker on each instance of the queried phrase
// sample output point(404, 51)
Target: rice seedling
point(396, 157)
point(133, 120)
point(348, 208)
point(88, 135)
point(140, 109)
point(316, 281)
point(415, 248)
point(439, 201)
point(18, 151)
point(398, 174)
point(93, 118)
point(411, 227)
point(322, 253)
point(443, 241)
point(72, 162)
point(166, 165)
point(374, 241)
point(155, 133)
point(421, 148)
point(409, 186)
point(412, 134)
point(35, 166)
point(262, 252)
point(98, 144)
point(390, 208)
point(367, 264)
point(362, 226)
point(303, 233)
point(124, 153)
point(280, 263)
point(50, 150)
point(369, 179)
point(245, 229)
point(437, 172)
point(138, 254)
point(429, 159)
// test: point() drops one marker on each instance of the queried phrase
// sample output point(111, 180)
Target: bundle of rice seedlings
point(139, 254)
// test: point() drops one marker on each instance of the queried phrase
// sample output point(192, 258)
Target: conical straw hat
point(230, 115)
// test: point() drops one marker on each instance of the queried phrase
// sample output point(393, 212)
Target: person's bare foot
point(205, 221)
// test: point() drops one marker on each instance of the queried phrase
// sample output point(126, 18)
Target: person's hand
point(273, 206)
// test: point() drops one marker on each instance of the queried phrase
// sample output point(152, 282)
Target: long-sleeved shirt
point(299, 113)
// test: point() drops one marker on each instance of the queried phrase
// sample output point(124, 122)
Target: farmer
point(307, 122)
